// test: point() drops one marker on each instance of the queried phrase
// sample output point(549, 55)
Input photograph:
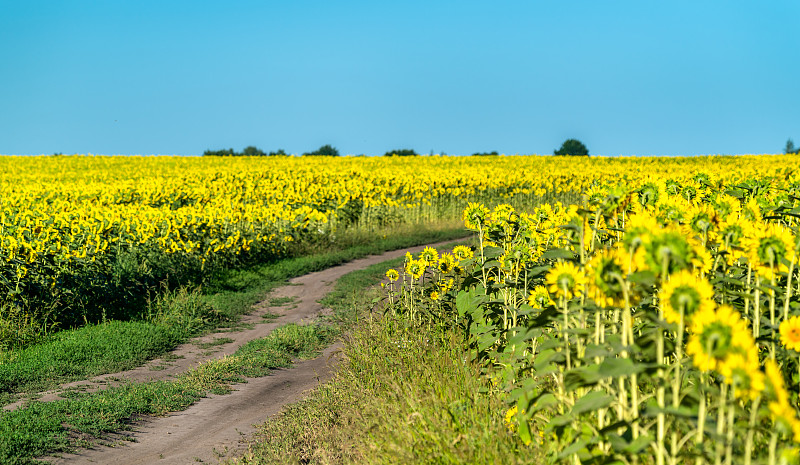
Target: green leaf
point(559, 421)
point(638, 445)
point(525, 432)
point(594, 350)
point(573, 448)
point(553, 254)
point(616, 367)
point(645, 278)
point(538, 271)
point(545, 401)
point(547, 357)
point(581, 377)
point(594, 400)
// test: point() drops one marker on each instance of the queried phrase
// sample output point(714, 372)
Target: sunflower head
point(715, 335)
point(668, 252)
point(462, 252)
point(429, 255)
point(702, 219)
point(767, 247)
point(539, 297)
point(393, 275)
point(649, 194)
point(565, 280)
point(685, 293)
point(727, 206)
point(775, 386)
point(416, 268)
point(606, 277)
point(446, 263)
point(790, 333)
point(638, 230)
point(740, 369)
point(475, 215)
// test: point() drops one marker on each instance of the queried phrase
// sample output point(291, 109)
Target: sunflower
point(741, 370)
point(393, 275)
point(727, 206)
point(767, 246)
point(475, 215)
point(775, 388)
point(416, 268)
point(701, 260)
point(462, 252)
point(649, 194)
point(752, 211)
point(715, 335)
point(784, 417)
point(685, 291)
point(430, 255)
point(730, 237)
point(606, 278)
point(446, 263)
point(669, 247)
point(565, 280)
point(539, 297)
point(671, 210)
point(703, 220)
point(790, 333)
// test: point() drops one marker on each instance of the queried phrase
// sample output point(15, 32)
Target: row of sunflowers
point(658, 321)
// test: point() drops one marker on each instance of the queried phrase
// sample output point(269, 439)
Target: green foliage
point(484, 154)
point(790, 148)
point(326, 150)
point(400, 153)
point(249, 151)
point(221, 153)
point(252, 151)
point(572, 147)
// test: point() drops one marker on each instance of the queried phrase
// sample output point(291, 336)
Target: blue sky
point(178, 77)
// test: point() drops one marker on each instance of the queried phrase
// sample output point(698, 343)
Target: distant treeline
point(325, 150)
point(250, 151)
point(253, 151)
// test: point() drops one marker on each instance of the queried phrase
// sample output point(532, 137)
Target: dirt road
point(214, 427)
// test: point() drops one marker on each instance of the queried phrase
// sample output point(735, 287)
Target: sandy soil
point(216, 427)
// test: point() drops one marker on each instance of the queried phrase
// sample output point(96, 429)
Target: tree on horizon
point(572, 147)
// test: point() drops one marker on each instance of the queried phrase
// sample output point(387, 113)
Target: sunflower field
point(656, 320)
point(89, 238)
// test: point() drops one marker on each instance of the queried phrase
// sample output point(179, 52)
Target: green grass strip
point(43, 428)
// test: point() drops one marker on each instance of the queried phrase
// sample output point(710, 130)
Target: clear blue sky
point(178, 77)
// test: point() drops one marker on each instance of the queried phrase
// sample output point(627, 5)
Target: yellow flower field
point(72, 227)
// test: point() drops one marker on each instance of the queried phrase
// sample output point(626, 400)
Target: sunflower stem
point(748, 445)
point(729, 437)
point(788, 289)
point(701, 414)
point(772, 310)
point(723, 401)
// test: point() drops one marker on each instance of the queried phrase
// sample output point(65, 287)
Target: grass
point(52, 427)
point(404, 394)
point(174, 316)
